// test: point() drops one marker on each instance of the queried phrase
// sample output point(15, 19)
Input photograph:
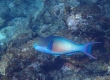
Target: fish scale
point(62, 46)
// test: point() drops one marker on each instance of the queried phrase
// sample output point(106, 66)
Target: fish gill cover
point(22, 22)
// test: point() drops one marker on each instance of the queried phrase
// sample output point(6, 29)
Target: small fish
point(57, 45)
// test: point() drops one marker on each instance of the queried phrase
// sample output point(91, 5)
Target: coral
point(2, 21)
point(58, 10)
point(88, 1)
point(69, 67)
point(74, 20)
point(4, 63)
point(2, 36)
point(15, 27)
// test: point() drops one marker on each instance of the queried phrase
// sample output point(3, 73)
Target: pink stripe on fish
point(57, 47)
point(60, 47)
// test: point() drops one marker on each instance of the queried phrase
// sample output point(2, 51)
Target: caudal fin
point(88, 49)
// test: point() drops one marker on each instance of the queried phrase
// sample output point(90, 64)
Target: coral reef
point(74, 20)
point(23, 21)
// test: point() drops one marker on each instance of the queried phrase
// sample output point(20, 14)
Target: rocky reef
point(82, 21)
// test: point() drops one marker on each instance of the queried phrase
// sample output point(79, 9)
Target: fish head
point(40, 45)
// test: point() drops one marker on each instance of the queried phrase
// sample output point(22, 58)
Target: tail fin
point(87, 49)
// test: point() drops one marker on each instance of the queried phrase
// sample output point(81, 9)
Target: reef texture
point(23, 21)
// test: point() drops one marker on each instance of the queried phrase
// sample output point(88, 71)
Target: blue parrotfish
point(57, 46)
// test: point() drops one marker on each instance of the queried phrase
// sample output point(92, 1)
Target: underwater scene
point(54, 39)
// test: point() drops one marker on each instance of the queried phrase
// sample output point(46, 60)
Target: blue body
point(45, 45)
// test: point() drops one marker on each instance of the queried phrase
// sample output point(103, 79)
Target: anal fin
point(56, 55)
point(69, 54)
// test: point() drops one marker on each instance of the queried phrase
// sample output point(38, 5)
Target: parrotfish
point(57, 46)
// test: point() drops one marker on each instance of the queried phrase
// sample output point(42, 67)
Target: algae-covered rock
point(2, 21)
point(15, 27)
